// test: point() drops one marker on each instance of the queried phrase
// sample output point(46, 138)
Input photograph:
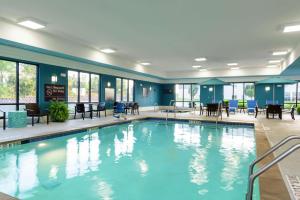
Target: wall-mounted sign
point(55, 92)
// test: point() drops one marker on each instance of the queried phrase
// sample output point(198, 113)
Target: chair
point(135, 108)
point(80, 108)
point(293, 108)
point(100, 107)
point(274, 110)
point(33, 110)
point(252, 107)
point(212, 108)
point(233, 105)
point(120, 108)
point(3, 117)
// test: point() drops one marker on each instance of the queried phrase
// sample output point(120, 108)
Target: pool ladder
point(219, 111)
point(253, 176)
point(170, 105)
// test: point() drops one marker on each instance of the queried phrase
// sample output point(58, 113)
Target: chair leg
point(4, 121)
point(47, 119)
point(105, 112)
point(83, 115)
point(75, 115)
point(32, 121)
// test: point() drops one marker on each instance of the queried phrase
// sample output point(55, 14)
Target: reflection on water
point(124, 146)
point(197, 167)
point(186, 135)
point(105, 191)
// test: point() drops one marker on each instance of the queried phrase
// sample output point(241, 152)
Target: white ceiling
point(170, 33)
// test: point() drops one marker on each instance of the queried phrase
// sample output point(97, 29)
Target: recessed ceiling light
point(274, 61)
point(232, 64)
point(291, 28)
point(234, 68)
point(196, 66)
point(272, 66)
point(29, 23)
point(108, 50)
point(279, 53)
point(145, 63)
point(203, 70)
point(200, 59)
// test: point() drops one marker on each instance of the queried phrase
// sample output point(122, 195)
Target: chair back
point(101, 106)
point(32, 108)
point(120, 108)
point(135, 105)
point(212, 107)
point(251, 104)
point(233, 103)
point(80, 108)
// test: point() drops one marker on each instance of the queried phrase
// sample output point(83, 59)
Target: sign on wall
point(55, 92)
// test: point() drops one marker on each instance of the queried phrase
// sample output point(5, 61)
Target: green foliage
point(58, 111)
point(298, 110)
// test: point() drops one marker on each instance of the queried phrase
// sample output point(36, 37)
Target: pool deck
point(268, 132)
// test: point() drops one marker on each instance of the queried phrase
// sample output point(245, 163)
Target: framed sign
point(145, 92)
point(55, 92)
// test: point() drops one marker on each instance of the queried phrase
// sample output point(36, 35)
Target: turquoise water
point(143, 160)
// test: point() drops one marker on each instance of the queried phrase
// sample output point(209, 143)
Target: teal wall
point(45, 73)
point(153, 96)
point(167, 94)
point(208, 97)
point(261, 95)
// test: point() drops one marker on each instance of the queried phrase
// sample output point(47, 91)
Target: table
point(17, 119)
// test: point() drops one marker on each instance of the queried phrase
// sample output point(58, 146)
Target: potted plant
point(58, 111)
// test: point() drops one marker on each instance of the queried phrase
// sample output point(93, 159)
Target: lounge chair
point(3, 117)
point(252, 107)
point(233, 105)
point(33, 110)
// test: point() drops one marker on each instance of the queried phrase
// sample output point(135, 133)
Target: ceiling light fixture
point(291, 28)
point(235, 68)
point(280, 53)
point(196, 66)
point(108, 50)
point(145, 63)
point(274, 61)
point(200, 59)
point(32, 24)
point(203, 70)
point(232, 64)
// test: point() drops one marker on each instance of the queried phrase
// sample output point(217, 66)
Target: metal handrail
point(219, 111)
point(271, 150)
point(170, 104)
point(249, 195)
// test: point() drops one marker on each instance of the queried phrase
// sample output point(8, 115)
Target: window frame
point(17, 103)
point(127, 91)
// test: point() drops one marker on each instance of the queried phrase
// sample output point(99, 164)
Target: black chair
point(293, 108)
point(3, 117)
point(274, 110)
point(33, 110)
point(100, 107)
point(212, 109)
point(135, 108)
point(80, 108)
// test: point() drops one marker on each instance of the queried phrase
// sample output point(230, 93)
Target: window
point(94, 88)
point(238, 91)
point(72, 86)
point(130, 90)
point(228, 92)
point(124, 89)
point(18, 84)
point(290, 95)
point(179, 94)
point(89, 87)
point(187, 95)
point(8, 77)
point(248, 91)
point(196, 93)
point(118, 89)
point(27, 83)
point(84, 87)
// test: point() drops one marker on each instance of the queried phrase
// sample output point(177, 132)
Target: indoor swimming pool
point(141, 160)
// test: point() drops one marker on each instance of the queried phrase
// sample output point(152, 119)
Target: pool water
point(142, 160)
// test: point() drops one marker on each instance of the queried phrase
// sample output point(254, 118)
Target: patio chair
point(293, 108)
point(252, 107)
point(33, 110)
point(274, 110)
point(80, 108)
point(3, 117)
point(135, 108)
point(233, 105)
point(100, 107)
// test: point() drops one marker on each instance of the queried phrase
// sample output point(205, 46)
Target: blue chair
point(233, 105)
point(251, 106)
point(120, 108)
